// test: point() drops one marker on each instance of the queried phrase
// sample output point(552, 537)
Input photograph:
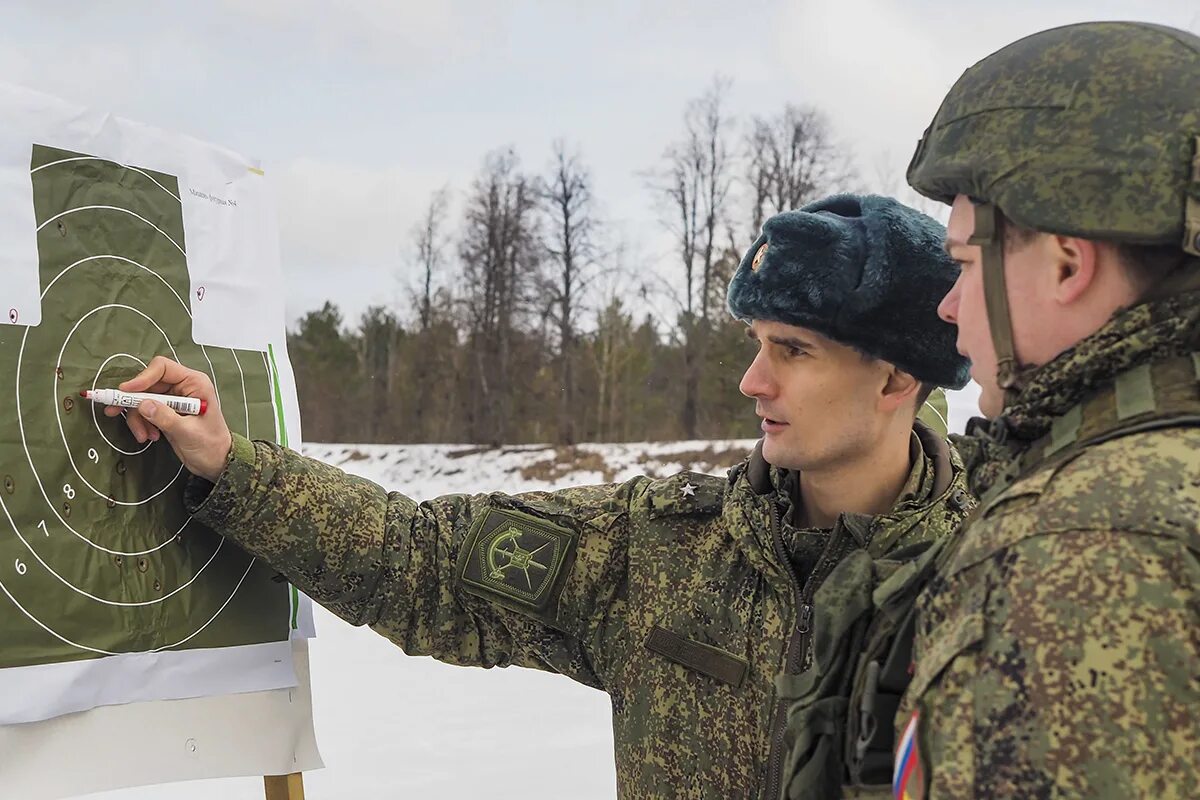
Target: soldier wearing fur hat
point(693, 601)
point(1057, 651)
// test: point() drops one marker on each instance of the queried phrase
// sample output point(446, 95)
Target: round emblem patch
point(758, 257)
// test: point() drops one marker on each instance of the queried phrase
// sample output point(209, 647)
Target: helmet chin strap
point(1011, 376)
point(1191, 206)
point(989, 235)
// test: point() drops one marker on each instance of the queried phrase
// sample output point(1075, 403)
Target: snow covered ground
point(391, 726)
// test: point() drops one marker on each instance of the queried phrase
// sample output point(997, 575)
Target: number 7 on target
point(118, 569)
point(112, 585)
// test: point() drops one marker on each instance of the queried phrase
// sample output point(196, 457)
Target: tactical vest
point(1070, 481)
point(1157, 396)
point(840, 706)
point(1153, 396)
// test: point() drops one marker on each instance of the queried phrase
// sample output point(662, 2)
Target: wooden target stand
point(284, 787)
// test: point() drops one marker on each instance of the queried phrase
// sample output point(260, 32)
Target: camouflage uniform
point(682, 598)
point(868, 272)
point(1057, 652)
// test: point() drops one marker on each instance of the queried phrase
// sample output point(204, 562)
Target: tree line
point(526, 324)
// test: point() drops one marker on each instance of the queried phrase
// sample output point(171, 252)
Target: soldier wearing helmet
point(1056, 650)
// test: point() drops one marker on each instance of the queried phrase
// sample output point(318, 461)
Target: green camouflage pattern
point(1085, 130)
point(672, 600)
point(1056, 649)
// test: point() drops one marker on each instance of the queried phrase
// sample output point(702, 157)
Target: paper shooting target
point(97, 554)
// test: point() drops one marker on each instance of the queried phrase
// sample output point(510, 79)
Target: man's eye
point(793, 352)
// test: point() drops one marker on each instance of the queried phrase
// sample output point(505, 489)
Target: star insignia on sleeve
point(688, 489)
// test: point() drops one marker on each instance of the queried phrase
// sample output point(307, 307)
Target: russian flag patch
point(908, 780)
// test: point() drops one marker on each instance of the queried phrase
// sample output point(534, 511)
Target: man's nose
point(757, 381)
point(948, 308)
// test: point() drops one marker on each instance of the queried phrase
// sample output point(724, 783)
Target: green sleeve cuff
point(215, 504)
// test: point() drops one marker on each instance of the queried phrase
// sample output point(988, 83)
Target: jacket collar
point(756, 488)
point(1153, 332)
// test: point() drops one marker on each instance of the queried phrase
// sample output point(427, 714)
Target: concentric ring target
point(58, 411)
point(103, 558)
point(95, 418)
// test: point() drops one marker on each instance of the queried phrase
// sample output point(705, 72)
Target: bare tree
point(792, 159)
point(430, 240)
point(500, 252)
point(695, 187)
point(566, 194)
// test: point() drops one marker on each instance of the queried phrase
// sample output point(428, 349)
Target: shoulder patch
point(686, 493)
point(516, 557)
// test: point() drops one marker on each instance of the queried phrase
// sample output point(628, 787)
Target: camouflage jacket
point(1057, 652)
point(676, 596)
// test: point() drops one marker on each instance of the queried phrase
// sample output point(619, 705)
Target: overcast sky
point(359, 109)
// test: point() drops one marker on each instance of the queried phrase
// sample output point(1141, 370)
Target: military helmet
point(1089, 130)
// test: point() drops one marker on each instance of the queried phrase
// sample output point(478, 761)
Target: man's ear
point(899, 389)
point(1075, 264)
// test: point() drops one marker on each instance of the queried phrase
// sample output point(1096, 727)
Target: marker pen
point(115, 397)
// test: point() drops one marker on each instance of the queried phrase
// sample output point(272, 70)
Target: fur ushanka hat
point(865, 271)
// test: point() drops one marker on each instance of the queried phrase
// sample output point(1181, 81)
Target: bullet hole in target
point(119, 561)
point(9, 486)
point(66, 508)
point(62, 228)
point(143, 565)
point(157, 585)
point(120, 467)
point(68, 404)
point(111, 503)
point(58, 373)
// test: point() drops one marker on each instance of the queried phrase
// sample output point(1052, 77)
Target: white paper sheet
point(119, 241)
point(112, 747)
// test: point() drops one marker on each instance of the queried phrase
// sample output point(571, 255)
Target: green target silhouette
point(97, 554)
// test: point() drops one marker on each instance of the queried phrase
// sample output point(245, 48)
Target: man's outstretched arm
point(485, 580)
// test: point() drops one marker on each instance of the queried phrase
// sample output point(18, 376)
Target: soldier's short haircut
point(1145, 264)
point(923, 390)
point(1017, 236)
point(1148, 264)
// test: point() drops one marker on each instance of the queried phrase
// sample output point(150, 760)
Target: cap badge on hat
point(758, 257)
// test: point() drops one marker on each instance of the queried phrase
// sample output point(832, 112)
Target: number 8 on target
point(111, 566)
